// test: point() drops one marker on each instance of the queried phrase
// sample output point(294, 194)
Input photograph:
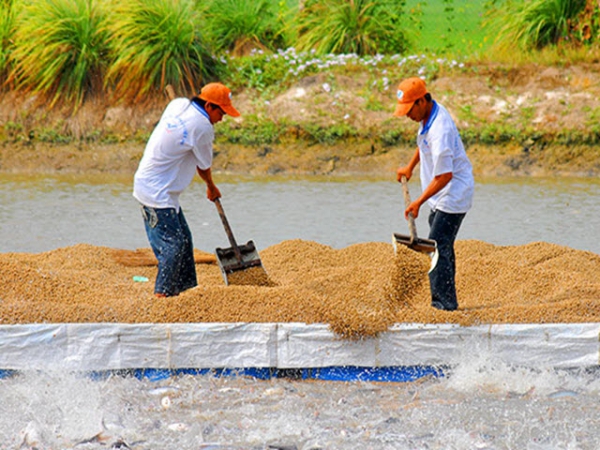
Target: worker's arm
point(436, 185)
point(212, 191)
point(408, 169)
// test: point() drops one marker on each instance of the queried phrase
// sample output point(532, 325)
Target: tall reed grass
point(154, 43)
point(7, 19)
point(59, 48)
point(238, 26)
point(363, 27)
point(535, 24)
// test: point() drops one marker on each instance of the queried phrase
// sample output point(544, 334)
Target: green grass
point(450, 26)
point(130, 49)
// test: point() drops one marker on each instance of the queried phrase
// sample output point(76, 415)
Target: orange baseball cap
point(409, 91)
point(220, 95)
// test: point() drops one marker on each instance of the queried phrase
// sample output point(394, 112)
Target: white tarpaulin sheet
point(115, 346)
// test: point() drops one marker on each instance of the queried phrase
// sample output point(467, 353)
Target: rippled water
point(481, 404)
point(39, 214)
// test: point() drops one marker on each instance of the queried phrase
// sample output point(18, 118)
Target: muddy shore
point(298, 159)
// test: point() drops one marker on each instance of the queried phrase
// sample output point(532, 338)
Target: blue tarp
point(346, 373)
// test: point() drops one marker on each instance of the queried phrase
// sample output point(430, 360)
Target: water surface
point(39, 214)
point(482, 404)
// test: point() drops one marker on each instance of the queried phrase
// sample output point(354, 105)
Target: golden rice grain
point(359, 291)
point(251, 276)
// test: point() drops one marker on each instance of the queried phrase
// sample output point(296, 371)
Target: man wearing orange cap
point(446, 181)
point(180, 145)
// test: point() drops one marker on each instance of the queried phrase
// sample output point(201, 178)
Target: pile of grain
point(359, 290)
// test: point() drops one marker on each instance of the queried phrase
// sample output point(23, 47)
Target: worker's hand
point(413, 209)
point(403, 171)
point(212, 192)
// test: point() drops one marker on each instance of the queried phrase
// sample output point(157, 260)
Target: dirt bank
point(517, 121)
point(359, 290)
point(355, 159)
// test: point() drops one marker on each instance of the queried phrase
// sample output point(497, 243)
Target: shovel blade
point(418, 244)
point(229, 263)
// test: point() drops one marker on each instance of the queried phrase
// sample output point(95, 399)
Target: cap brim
point(403, 108)
point(230, 110)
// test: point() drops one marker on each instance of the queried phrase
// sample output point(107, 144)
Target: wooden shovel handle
point(236, 249)
point(170, 92)
point(411, 220)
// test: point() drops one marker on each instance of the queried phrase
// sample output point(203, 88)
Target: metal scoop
point(237, 257)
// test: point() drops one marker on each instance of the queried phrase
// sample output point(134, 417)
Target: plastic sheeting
point(117, 346)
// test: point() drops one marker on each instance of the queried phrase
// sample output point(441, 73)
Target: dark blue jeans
point(171, 241)
point(443, 229)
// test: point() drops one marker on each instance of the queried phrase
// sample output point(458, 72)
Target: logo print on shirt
point(171, 124)
point(176, 124)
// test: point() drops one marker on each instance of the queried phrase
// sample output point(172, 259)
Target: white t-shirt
point(181, 141)
point(441, 151)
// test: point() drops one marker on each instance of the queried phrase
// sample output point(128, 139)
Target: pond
point(43, 213)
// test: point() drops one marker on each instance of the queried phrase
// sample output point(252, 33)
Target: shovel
point(413, 242)
point(237, 257)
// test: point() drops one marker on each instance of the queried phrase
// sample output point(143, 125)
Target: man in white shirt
point(446, 181)
point(180, 145)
